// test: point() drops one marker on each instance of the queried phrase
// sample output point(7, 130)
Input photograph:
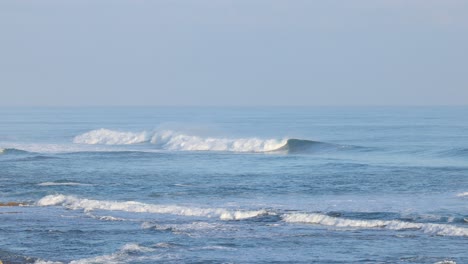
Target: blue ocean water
point(234, 185)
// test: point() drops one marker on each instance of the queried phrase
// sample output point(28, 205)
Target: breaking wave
point(111, 137)
point(170, 140)
point(88, 205)
point(446, 262)
point(128, 253)
point(75, 203)
point(325, 220)
point(12, 151)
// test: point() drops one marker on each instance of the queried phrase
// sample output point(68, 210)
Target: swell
point(320, 219)
point(455, 153)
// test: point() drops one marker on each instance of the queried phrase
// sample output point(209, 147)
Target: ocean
point(234, 185)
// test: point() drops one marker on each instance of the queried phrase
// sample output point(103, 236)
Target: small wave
point(105, 217)
point(41, 261)
point(75, 203)
point(463, 194)
point(455, 152)
point(446, 262)
point(127, 253)
point(197, 229)
point(165, 245)
point(454, 218)
point(191, 229)
point(11, 204)
point(12, 151)
point(218, 248)
point(12, 257)
point(322, 219)
point(62, 184)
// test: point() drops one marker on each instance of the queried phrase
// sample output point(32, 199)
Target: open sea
point(234, 185)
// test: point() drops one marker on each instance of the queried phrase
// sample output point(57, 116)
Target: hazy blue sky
point(219, 52)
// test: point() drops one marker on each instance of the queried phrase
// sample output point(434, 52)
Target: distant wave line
point(171, 140)
point(62, 184)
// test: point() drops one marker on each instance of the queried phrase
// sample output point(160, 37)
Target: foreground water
point(234, 185)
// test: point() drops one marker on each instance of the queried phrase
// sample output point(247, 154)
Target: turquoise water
point(234, 185)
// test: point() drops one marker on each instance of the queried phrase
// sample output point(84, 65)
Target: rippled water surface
point(234, 185)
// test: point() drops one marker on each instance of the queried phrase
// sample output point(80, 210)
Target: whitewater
point(234, 185)
point(172, 140)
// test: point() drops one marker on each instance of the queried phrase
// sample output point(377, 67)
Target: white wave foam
point(75, 203)
point(105, 217)
point(135, 248)
point(321, 219)
point(164, 245)
point(171, 140)
point(446, 262)
point(110, 137)
point(40, 261)
point(62, 184)
point(57, 148)
point(193, 229)
point(126, 254)
point(463, 194)
point(218, 248)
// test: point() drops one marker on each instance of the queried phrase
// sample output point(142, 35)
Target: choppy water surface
point(234, 185)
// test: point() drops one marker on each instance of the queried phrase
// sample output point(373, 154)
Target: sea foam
point(75, 203)
point(325, 220)
point(111, 137)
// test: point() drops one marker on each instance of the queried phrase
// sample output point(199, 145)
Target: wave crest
point(171, 140)
point(12, 151)
point(111, 137)
point(88, 205)
point(322, 219)
point(75, 203)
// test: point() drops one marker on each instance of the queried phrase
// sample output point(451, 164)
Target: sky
point(233, 52)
